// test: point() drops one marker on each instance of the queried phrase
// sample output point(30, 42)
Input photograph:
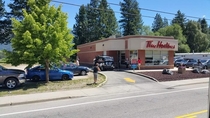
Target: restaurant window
point(133, 54)
point(154, 57)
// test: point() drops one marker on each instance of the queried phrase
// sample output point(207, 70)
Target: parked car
point(190, 63)
point(163, 62)
point(180, 62)
point(205, 63)
point(77, 70)
point(11, 78)
point(105, 62)
point(38, 73)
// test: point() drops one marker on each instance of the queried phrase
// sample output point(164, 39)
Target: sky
point(196, 8)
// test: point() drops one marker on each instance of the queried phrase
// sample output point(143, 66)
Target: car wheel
point(35, 78)
point(65, 77)
point(83, 72)
point(11, 83)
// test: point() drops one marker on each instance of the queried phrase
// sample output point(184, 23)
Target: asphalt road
point(151, 100)
point(172, 103)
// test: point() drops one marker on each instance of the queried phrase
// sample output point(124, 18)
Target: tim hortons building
point(154, 51)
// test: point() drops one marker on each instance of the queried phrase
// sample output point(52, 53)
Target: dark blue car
point(77, 70)
point(38, 73)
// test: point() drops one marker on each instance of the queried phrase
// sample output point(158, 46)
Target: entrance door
point(122, 57)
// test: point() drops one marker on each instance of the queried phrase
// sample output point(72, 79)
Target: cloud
point(204, 16)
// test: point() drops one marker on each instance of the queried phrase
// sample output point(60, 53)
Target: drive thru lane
point(121, 78)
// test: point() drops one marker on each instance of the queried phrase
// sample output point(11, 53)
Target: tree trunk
point(47, 70)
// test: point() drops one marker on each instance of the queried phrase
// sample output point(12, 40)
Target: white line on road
point(100, 101)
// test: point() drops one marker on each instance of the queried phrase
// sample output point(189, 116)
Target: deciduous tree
point(175, 31)
point(196, 40)
point(41, 37)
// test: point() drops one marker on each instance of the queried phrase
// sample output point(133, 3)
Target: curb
point(187, 84)
point(152, 78)
point(35, 101)
point(51, 99)
point(101, 84)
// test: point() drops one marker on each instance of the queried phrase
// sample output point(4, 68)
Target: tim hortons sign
point(160, 44)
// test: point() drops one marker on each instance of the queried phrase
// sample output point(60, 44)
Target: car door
point(194, 62)
point(74, 69)
point(40, 72)
point(208, 64)
point(1, 75)
point(54, 74)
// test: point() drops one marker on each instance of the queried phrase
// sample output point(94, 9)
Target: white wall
point(110, 45)
point(140, 43)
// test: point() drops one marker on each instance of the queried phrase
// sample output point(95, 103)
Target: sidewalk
point(69, 94)
point(41, 97)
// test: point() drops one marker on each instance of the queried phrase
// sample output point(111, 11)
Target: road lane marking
point(192, 115)
point(130, 80)
point(100, 101)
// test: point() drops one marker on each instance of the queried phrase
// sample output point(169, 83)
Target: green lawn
point(38, 87)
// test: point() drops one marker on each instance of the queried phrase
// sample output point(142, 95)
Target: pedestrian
point(77, 62)
point(95, 72)
point(127, 62)
point(139, 63)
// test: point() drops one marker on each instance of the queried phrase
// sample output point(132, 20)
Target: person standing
point(77, 62)
point(95, 72)
point(127, 62)
point(139, 63)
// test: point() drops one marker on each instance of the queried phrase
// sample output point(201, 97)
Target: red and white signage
point(159, 44)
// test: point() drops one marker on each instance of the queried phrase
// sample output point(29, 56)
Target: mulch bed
point(176, 76)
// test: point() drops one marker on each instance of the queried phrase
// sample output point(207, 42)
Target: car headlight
point(21, 76)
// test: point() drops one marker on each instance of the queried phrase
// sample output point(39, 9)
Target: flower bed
point(176, 76)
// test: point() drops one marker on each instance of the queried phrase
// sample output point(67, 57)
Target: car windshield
point(179, 60)
point(203, 61)
point(2, 68)
point(70, 65)
point(185, 60)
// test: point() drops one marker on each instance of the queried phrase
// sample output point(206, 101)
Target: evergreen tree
point(80, 28)
point(41, 37)
point(5, 25)
point(204, 25)
point(16, 8)
point(94, 21)
point(180, 19)
point(131, 21)
point(209, 30)
point(165, 22)
point(196, 40)
point(157, 23)
point(93, 24)
point(107, 20)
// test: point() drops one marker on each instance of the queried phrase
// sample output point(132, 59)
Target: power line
point(102, 9)
point(158, 11)
point(67, 3)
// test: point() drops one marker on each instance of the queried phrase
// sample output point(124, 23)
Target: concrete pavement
point(69, 94)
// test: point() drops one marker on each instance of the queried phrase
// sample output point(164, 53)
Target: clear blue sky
point(198, 8)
